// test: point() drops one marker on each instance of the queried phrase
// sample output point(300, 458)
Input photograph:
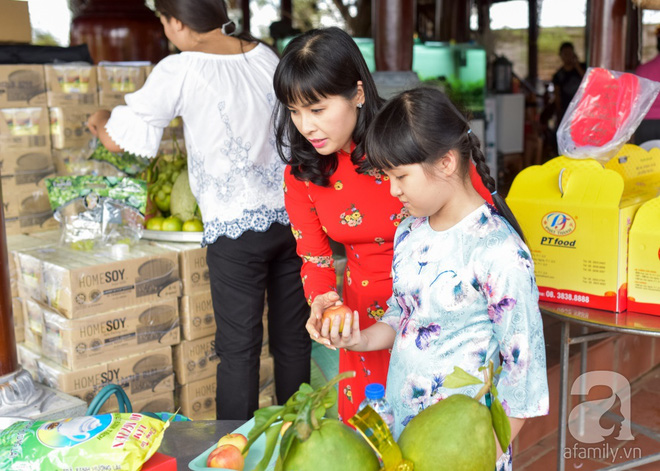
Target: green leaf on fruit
point(501, 424)
point(460, 378)
point(272, 434)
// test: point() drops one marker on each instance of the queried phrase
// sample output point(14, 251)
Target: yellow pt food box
point(644, 260)
point(77, 343)
point(141, 375)
point(197, 318)
point(195, 359)
point(79, 283)
point(576, 215)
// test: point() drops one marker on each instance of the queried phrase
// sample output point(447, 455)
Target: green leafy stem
point(303, 411)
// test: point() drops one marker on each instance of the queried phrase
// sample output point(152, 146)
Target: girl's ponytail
point(489, 182)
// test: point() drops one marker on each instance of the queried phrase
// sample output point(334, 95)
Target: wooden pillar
point(393, 34)
point(632, 54)
point(532, 43)
point(245, 8)
point(8, 356)
point(607, 30)
point(286, 12)
point(452, 20)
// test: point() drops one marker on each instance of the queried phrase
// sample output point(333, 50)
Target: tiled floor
point(645, 412)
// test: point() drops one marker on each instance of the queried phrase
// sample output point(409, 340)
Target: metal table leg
point(563, 393)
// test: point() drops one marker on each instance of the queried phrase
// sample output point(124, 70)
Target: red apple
point(226, 456)
point(236, 439)
point(337, 310)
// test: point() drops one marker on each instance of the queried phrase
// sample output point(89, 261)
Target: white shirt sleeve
point(138, 126)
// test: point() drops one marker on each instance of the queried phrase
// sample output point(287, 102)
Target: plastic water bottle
point(375, 397)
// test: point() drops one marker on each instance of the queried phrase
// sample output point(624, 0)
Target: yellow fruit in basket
point(193, 225)
point(172, 224)
point(155, 223)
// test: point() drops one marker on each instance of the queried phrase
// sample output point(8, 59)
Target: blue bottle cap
point(374, 391)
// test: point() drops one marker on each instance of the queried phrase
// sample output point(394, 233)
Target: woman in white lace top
point(222, 87)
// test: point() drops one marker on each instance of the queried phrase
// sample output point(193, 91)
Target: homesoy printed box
point(116, 80)
point(644, 260)
point(195, 359)
point(72, 83)
point(576, 215)
point(22, 85)
point(77, 343)
point(197, 317)
point(192, 264)
point(141, 375)
point(197, 399)
point(80, 283)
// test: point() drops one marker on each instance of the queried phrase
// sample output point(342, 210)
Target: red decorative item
point(118, 30)
point(160, 462)
point(604, 107)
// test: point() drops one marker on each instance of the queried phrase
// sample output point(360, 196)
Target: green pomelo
point(333, 447)
point(182, 202)
point(455, 434)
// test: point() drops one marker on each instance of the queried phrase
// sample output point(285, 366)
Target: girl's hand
point(349, 337)
point(97, 121)
point(314, 323)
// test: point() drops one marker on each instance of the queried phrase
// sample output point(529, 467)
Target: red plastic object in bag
point(604, 107)
point(160, 462)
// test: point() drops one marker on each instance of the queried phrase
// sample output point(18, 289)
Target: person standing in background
point(567, 79)
point(222, 87)
point(649, 128)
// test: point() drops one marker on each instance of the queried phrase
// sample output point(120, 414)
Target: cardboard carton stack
point(96, 318)
point(25, 153)
point(195, 360)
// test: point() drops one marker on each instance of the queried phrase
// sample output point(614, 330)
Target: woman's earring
point(359, 105)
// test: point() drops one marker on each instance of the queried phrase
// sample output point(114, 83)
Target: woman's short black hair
point(318, 64)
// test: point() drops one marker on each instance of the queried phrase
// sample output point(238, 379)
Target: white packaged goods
point(141, 375)
point(76, 343)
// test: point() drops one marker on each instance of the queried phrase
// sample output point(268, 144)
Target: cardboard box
point(26, 166)
point(192, 265)
point(644, 260)
point(141, 375)
point(29, 200)
point(72, 83)
point(19, 319)
point(266, 371)
point(14, 244)
point(266, 400)
point(196, 400)
point(195, 359)
point(576, 216)
point(77, 343)
point(80, 284)
point(68, 126)
point(31, 224)
point(21, 85)
point(197, 317)
point(23, 129)
point(28, 359)
point(115, 81)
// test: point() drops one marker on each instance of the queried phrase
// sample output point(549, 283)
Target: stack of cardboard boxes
point(195, 360)
point(93, 319)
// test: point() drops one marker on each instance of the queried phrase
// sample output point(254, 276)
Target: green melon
point(455, 434)
point(333, 447)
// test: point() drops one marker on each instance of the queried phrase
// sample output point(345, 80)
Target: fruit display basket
point(170, 236)
point(255, 453)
